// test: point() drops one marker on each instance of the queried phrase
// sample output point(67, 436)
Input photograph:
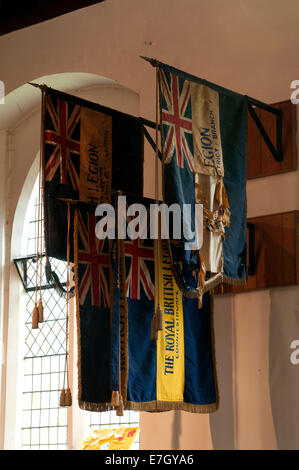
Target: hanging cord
point(40, 222)
point(122, 284)
point(35, 313)
point(65, 396)
point(157, 321)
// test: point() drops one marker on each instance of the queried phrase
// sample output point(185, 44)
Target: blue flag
point(177, 369)
point(204, 133)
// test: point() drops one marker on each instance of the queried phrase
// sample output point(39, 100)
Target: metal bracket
point(151, 140)
point(276, 152)
point(22, 265)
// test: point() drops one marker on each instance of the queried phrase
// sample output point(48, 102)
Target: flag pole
point(157, 320)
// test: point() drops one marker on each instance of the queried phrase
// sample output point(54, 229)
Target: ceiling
point(16, 15)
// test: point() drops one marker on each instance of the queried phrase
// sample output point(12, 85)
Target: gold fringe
point(159, 406)
point(98, 407)
point(221, 279)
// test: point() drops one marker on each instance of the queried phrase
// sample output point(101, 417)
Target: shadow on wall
point(222, 422)
point(283, 375)
point(176, 430)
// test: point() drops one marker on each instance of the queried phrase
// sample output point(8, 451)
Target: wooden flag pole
point(157, 320)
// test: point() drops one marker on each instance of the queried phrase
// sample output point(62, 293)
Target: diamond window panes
point(108, 419)
point(44, 422)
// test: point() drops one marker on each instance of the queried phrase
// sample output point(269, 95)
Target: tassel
point(120, 408)
point(154, 330)
point(35, 317)
point(159, 319)
point(40, 311)
point(115, 401)
point(68, 397)
point(62, 398)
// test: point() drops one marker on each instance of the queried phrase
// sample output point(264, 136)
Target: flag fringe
point(222, 279)
point(159, 406)
point(98, 407)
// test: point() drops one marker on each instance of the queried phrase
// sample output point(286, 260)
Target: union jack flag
point(94, 259)
point(65, 148)
point(176, 119)
point(139, 273)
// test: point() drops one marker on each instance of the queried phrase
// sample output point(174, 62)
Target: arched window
point(44, 424)
point(34, 419)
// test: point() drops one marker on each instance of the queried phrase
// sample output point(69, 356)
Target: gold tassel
point(159, 319)
point(154, 330)
point(35, 317)
point(115, 401)
point(65, 395)
point(120, 408)
point(40, 311)
point(62, 398)
point(68, 397)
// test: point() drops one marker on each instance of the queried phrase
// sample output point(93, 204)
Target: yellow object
point(111, 439)
point(170, 343)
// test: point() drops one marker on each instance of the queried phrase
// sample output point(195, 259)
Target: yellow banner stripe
point(170, 343)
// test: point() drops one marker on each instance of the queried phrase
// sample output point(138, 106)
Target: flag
point(176, 371)
point(92, 266)
point(89, 150)
point(204, 131)
point(115, 283)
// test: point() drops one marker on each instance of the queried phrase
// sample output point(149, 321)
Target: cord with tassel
point(65, 394)
point(35, 313)
point(40, 220)
point(38, 310)
point(157, 320)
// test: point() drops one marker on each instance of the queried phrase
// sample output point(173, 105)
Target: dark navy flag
point(89, 150)
point(204, 132)
point(93, 290)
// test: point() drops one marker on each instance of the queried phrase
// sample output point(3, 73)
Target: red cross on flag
point(174, 106)
point(139, 272)
point(65, 148)
point(94, 260)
